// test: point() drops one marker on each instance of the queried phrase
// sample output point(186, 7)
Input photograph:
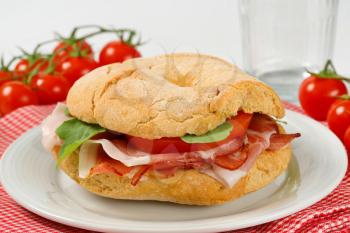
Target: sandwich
point(183, 128)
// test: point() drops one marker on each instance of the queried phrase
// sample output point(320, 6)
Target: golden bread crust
point(169, 95)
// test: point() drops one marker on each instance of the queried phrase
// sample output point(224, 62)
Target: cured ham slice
point(227, 177)
point(278, 141)
point(258, 134)
point(262, 134)
point(107, 165)
point(117, 150)
point(50, 124)
point(227, 162)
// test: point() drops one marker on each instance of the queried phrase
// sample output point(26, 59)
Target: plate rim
point(146, 226)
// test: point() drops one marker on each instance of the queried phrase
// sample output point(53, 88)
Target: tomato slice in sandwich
point(231, 161)
point(240, 124)
point(159, 146)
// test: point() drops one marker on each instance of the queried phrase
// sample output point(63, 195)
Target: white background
point(208, 26)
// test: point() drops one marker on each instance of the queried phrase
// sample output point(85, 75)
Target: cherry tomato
point(117, 51)
point(338, 117)
point(5, 76)
point(316, 95)
point(15, 94)
point(23, 67)
point(169, 145)
point(74, 68)
point(64, 48)
point(50, 88)
point(346, 140)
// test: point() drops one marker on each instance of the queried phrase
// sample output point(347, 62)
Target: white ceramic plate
point(29, 175)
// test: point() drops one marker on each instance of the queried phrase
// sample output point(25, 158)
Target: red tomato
point(162, 145)
point(231, 161)
point(169, 145)
point(240, 124)
point(338, 117)
point(117, 51)
point(346, 140)
point(50, 88)
point(5, 76)
point(64, 48)
point(74, 68)
point(23, 67)
point(316, 95)
point(15, 94)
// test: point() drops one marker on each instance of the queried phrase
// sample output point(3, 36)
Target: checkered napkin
point(332, 214)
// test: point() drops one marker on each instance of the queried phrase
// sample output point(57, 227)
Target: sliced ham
point(117, 150)
point(258, 134)
point(262, 123)
point(253, 150)
point(227, 177)
point(107, 165)
point(262, 134)
point(227, 163)
point(279, 141)
point(50, 124)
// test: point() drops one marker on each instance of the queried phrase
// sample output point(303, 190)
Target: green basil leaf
point(218, 134)
point(74, 133)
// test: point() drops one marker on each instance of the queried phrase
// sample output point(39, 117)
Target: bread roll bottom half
point(187, 186)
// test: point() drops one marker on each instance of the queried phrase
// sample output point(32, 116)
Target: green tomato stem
point(38, 46)
point(344, 97)
point(329, 72)
point(76, 29)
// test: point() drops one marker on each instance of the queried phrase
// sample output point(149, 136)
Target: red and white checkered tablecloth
point(332, 214)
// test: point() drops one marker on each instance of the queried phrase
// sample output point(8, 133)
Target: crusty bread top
point(169, 96)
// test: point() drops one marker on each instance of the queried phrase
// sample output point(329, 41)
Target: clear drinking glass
point(283, 37)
